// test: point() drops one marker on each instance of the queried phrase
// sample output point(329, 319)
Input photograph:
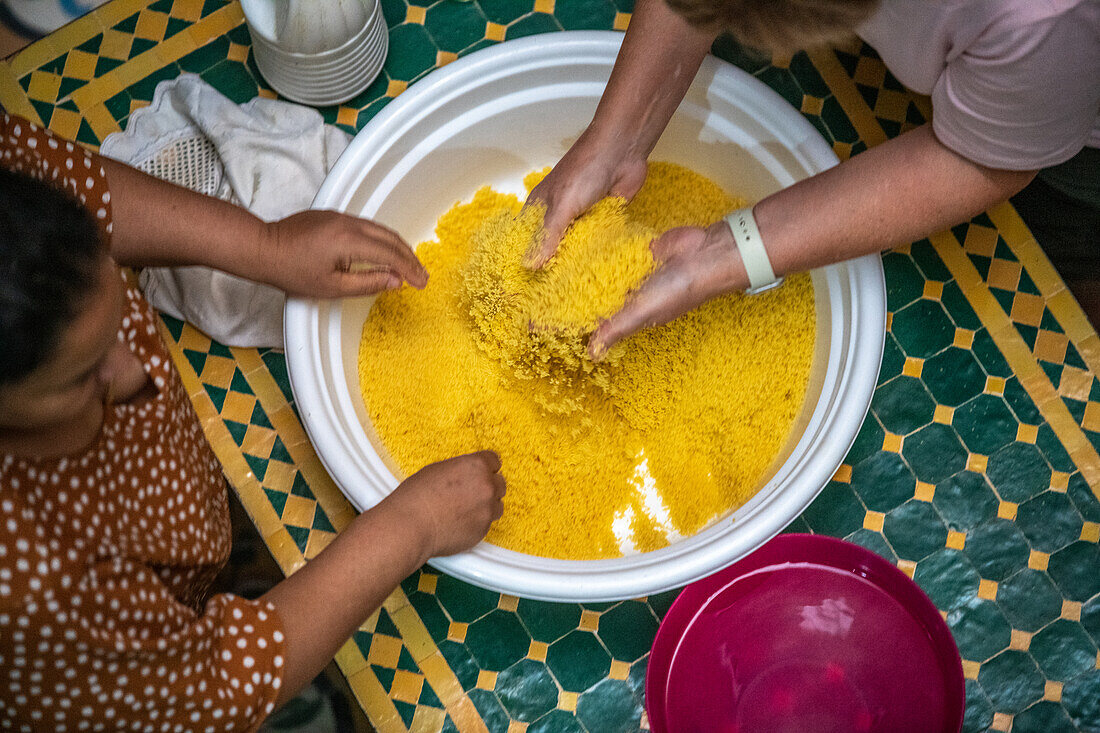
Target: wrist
point(410, 527)
point(728, 270)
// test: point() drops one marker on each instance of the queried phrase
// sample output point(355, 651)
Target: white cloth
point(266, 155)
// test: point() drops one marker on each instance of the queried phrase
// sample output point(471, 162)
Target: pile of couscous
point(673, 429)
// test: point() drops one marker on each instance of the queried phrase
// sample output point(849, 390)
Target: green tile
point(873, 541)
point(532, 25)
point(455, 25)
point(893, 359)
point(1053, 450)
point(490, 710)
point(1081, 698)
point(883, 481)
point(980, 629)
point(578, 661)
point(948, 577)
point(610, 707)
point(417, 53)
point(527, 690)
point(928, 261)
point(394, 11)
point(1076, 570)
point(979, 711)
point(1083, 498)
point(990, 356)
point(953, 376)
point(997, 548)
point(1029, 600)
point(579, 15)
point(464, 602)
point(808, 75)
point(504, 12)
point(556, 721)
point(902, 405)
point(836, 511)
point(203, 58)
point(1011, 680)
point(661, 602)
point(431, 613)
point(1021, 403)
point(497, 640)
point(1049, 521)
point(1043, 717)
point(914, 530)
point(904, 282)
point(958, 307)
point(1090, 619)
point(834, 117)
point(1063, 650)
point(461, 662)
point(985, 424)
point(923, 328)
point(547, 622)
point(934, 452)
point(627, 630)
point(233, 80)
point(782, 81)
point(743, 57)
point(868, 441)
point(964, 500)
point(1018, 472)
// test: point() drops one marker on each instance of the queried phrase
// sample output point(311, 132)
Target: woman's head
point(57, 308)
point(781, 26)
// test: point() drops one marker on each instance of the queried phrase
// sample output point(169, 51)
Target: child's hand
point(326, 254)
point(455, 501)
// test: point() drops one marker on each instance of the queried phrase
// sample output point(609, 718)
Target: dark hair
point(49, 256)
point(779, 26)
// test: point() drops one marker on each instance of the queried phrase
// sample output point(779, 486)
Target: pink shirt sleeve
point(1023, 96)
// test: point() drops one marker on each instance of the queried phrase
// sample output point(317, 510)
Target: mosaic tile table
point(976, 471)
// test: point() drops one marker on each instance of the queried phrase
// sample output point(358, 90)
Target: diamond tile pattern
point(956, 474)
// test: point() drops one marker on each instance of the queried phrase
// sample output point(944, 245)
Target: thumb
point(554, 224)
point(368, 282)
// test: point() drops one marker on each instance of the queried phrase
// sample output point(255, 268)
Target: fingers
point(649, 306)
point(401, 255)
point(555, 223)
point(490, 458)
point(368, 280)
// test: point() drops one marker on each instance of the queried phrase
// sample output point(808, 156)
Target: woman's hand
point(695, 265)
point(588, 172)
point(326, 254)
point(453, 502)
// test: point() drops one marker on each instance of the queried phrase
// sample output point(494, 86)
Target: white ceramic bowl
point(490, 118)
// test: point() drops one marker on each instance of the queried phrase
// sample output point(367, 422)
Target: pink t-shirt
point(1015, 84)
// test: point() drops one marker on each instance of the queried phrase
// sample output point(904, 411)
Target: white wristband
point(753, 255)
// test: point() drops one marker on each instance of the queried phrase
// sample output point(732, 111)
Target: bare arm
point(314, 253)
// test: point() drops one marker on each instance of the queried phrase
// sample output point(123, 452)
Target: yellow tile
point(457, 631)
point(426, 718)
point(65, 122)
point(298, 511)
point(494, 32)
point(1007, 510)
point(347, 116)
point(980, 240)
point(843, 474)
point(1038, 560)
point(620, 670)
point(508, 603)
point(384, 651)
point(151, 25)
point(976, 462)
point(1004, 274)
point(136, 104)
point(516, 726)
point(1090, 532)
point(537, 651)
point(933, 290)
point(1050, 346)
point(995, 385)
point(970, 669)
point(873, 521)
point(1091, 420)
point(116, 45)
point(486, 680)
point(955, 540)
point(1027, 309)
point(1052, 690)
point(622, 20)
point(987, 589)
point(567, 700)
point(1059, 481)
point(416, 14)
point(1020, 640)
point(964, 338)
point(395, 87)
point(350, 658)
point(442, 58)
point(1071, 610)
point(266, 93)
point(426, 582)
point(907, 566)
point(317, 541)
point(237, 53)
point(781, 60)
point(258, 441)
point(869, 72)
point(924, 491)
point(889, 320)
point(80, 65)
point(43, 86)
point(590, 620)
point(1027, 433)
point(544, 6)
point(279, 476)
point(812, 105)
point(238, 406)
point(218, 371)
point(406, 686)
point(844, 151)
point(1001, 722)
point(891, 443)
point(187, 9)
point(913, 367)
point(943, 414)
point(1075, 383)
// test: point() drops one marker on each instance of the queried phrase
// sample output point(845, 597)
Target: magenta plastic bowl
point(808, 633)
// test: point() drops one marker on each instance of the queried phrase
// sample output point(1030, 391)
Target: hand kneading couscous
point(675, 427)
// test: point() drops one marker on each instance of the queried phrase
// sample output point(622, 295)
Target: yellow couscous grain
point(673, 429)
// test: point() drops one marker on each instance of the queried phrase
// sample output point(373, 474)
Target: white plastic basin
point(490, 118)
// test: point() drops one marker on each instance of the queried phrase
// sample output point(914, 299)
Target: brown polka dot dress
point(106, 557)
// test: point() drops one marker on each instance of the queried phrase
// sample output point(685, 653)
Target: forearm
point(900, 191)
point(658, 60)
point(322, 604)
point(157, 223)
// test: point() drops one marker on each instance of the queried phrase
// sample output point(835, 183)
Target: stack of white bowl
point(317, 52)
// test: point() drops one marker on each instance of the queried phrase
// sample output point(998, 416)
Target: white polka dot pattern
point(106, 557)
